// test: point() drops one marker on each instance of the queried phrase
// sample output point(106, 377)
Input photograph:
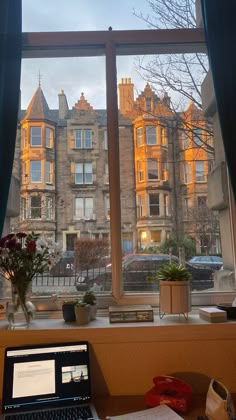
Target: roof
point(38, 108)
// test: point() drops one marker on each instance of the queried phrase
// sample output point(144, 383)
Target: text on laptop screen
point(46, 376)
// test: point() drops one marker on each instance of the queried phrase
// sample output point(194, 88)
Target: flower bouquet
point(22, 256)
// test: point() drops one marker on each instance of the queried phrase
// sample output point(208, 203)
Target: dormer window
point(35, 136)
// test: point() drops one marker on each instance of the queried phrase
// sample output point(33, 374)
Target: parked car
point(139, 274)
point(212, 261)
point(65, 266)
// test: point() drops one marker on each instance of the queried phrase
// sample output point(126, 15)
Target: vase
point(20, 311)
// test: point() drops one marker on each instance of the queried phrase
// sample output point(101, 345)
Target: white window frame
point(35, 139)
point(141, 205)
point(152, 206)
point(82, 141)
point(151, 135)
point(163, 135)
point(199, 171)
point(84, 208)
point(152, 165)
point(85, 175)
point(35, 171)
point(48, 172)
point(49, 135)
point(139, 136)
point(140, 171)
point(35, 208)
point(187, 173)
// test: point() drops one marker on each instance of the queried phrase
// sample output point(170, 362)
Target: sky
point(76, 75)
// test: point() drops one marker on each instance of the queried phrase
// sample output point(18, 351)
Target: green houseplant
point(174, 282)
point(90, 299)
point(82, 312)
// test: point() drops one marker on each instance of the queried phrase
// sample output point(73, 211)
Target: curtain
point(10, 66)
point(220, 32)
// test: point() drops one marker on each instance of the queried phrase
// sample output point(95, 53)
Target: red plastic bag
point(170, 391)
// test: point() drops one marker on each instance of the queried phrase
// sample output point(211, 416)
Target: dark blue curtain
point(10, 65)
point(219, 19)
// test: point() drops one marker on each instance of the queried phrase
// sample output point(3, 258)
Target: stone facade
point(62, 162)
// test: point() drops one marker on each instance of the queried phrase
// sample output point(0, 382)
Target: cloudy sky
point(76, 75)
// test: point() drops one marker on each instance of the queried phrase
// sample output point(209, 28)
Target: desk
point(115, 406)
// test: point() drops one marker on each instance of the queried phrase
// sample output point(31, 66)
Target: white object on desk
point(162, 412)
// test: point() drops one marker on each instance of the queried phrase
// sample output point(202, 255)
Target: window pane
point(35, 171)
point(151, 135)
point(152, 170)
point(36, 136)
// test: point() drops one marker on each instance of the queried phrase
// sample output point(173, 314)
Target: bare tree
point(179, 75)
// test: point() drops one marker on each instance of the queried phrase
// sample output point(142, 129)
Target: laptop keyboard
point(67, 413)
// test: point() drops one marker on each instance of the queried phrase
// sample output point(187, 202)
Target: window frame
point(35, 136)
point(87, 212)
point(82, 138)
point(151, 133)
point(38, 207)
point(91, 43)
point(35, 171)
point(84, 175)
point(202, 177)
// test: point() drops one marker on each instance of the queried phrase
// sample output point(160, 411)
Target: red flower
point(21, 235)
point(10, 236)
point(31, 246)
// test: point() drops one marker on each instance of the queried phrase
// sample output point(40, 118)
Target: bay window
point(152, 165)
point(48, 173)
point(139, 136)
point(35, 208)
point(154, 204)
point(35, 171)
point(199, 171)
point(35, 136)
point(151, 138)
point(141, 211)
point(49, 137)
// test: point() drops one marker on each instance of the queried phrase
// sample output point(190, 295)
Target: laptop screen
point(46, 376)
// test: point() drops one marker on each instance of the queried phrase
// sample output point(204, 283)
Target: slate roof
point(38, 108)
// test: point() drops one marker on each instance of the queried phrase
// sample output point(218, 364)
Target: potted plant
point(174, 282)
point(68, 310)
point(90, 299)
point(82, 312)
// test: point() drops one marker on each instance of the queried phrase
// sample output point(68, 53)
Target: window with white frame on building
point(105, 141)
point(49, 137)
point(154, 204)
point(163, 135)
point(83, 173)
point(152, 169)
point(36, 136)
point(187, 173)
point(164, 170)
point(35, 208)
point(107, 206)
point(166, 204)
point(106, 173)
point(139, 136)
point(23, 209)
point(140, 170)
point(84, 208)
point(83, 139)
point(48, 172)
point(151, 138)
point(185, 138)
point(155, 236)
point(141, 209)
point(49, 208)
point(199, 171)
point(197, 137)
point(35, 171)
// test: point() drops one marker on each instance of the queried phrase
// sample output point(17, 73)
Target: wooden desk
point(114, 406)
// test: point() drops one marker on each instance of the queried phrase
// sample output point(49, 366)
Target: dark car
point(65, 266)
point(139, 274)
point(211, 261)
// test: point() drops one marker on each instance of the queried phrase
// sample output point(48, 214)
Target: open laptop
point(41, 379)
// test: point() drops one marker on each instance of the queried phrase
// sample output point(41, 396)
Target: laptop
point(43, 379)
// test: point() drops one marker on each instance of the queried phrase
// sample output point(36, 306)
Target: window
point(105, 141)
point(163, 135)
point(83, 173)
point(35, 207)
point(23, 210)
point(141, 205)
point(35, 171)
point(185, 139)
point(48, 173)
point(186, 204)
point(106, 173)
point(197, 137)
point(140, 171)
point(187, 174)
point(83, 139)
point(35, 137)
point(154, 204)
point(199, 171)
point(84, 208)
point(166, 204)
point(155, 235)
point(139, 136)
point(49, 137)
point(70, 241)
point(152, 170)
point(151, 135)
point(107, 206)
point(164, 171)
point(202, 201)
point(49, 208)
point(148, 104)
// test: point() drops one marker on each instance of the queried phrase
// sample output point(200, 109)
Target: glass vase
point(19, 311)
